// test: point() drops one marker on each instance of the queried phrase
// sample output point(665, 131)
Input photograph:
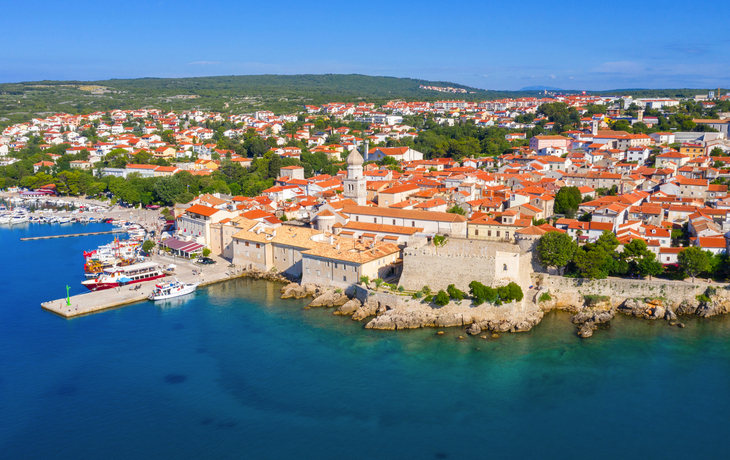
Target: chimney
point(332, 239)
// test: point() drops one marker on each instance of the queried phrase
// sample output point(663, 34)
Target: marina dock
point(72, 235)
point(92, 302)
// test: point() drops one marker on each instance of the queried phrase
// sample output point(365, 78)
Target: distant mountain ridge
point(246, 93)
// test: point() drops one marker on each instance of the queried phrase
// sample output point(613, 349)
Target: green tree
point(481, 293)
point(649, 266)
point(442, 298)
point(147, 246)
point(510, 292)
point(555, 249)
point(693, 261)
point(591, 262)
point(454, 293)
point(567, 201)
point(456, 209)
point(167, 189)
point(206, 252)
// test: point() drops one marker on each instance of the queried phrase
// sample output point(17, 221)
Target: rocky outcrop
point(586, 329)
point(516, 324)
point(348, 308)
point(296, 291)
point(648, 308)
point(474, 329)
point(453, 319)
point(268, 276)
point(369, 308)
point(329, 299)
point(717, 305)
point(293, 291)
point(594, 315)
point(394, 320)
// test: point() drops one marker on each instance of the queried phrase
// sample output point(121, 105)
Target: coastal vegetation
point(556, 250)
point(603, 258)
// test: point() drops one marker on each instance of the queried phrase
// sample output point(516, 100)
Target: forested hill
point(331, 86)
point(238, 94)
point(234, 94)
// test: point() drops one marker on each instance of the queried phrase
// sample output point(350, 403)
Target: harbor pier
point(72, 235)
point(92, 302)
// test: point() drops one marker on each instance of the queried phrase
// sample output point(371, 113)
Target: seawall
point(568, 293)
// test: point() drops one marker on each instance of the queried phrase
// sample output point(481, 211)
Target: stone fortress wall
point(569, 292)
point(461, 261)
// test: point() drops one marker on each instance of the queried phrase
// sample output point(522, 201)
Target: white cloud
point(204, 63)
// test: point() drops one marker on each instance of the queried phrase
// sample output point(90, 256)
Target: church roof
point(354, 158)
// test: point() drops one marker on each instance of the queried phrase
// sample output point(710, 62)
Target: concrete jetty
point(92, 302)
point(72, 235)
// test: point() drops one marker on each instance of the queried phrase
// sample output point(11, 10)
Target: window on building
point(506, 234)
point(393, 221)
point(489, 233)
point(307, 271)
point(476, 232)
point(246, 243)
point(318, 273)
point(504, 267)
point(497, 233)
point(344, 278)
point(258, 246)
point(357, 218)
point(335, 265)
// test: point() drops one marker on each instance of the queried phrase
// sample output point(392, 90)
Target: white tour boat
point(121, 276)
point(172, 289)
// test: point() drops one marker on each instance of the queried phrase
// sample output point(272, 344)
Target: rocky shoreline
point(649, 309)
point(390, 311)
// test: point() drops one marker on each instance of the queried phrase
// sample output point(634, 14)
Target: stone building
point(315, 256)
point(461, 261)
point(433, 223)
point(342, 263)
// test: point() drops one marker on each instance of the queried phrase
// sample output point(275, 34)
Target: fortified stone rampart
point(460, 261)
point(569, 293)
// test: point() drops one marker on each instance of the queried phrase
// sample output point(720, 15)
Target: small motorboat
point(164, 291)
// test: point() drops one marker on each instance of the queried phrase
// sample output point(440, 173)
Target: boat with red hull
point(121, 276)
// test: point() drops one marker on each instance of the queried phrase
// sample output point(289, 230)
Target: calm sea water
point(235, 372)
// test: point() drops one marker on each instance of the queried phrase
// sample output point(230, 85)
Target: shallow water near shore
point(236, 372)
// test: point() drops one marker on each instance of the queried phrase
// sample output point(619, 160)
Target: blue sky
point(493, 45)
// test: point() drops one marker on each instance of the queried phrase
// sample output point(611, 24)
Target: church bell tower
point(355, 184)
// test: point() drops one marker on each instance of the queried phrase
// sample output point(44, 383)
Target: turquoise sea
point(235, 372)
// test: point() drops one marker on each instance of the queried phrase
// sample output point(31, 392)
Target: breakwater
point(72, 235)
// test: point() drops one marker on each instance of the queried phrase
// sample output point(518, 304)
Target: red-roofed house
point(194, 223)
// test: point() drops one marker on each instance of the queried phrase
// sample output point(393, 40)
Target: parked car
point(205, 261)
